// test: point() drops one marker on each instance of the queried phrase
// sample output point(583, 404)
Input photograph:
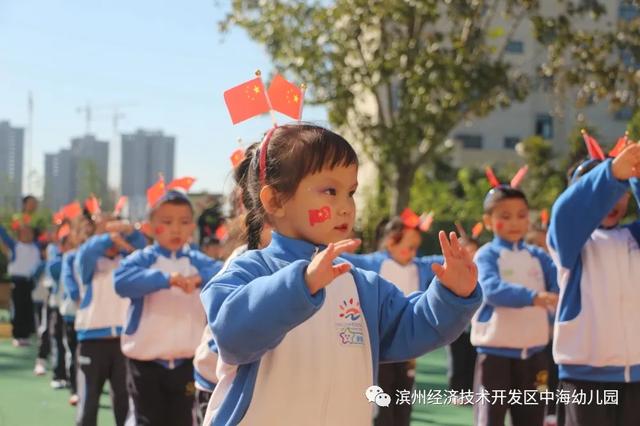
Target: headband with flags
point(72, 210)
point(475, 231)
point(222, 233)
point(411, 220)
point(596, 153)
point(515, 181)
point(120, 205)
point(159, 190)
point(92, 204)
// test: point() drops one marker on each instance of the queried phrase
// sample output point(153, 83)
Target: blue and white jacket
point(101, 313)
point(69, 279)
point(53, 269)
point(164, 323)
point(511, 274)
point(276, 340)
point(597, 328)
point(415, 276)
point(25, 260)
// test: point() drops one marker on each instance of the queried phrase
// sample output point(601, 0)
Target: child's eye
point(352, 193)
point(330, 191)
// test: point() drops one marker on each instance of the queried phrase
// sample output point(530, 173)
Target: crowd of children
point(297, 310)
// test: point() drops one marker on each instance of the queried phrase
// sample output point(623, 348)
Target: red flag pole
point(303, 88)
point(266, 95)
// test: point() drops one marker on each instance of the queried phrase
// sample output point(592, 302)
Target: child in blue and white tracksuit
point(53, 270)
point(24, 263)
point(597, 329)
point(69, 281)
point(164, 323)
point(99, 322)
point(512, 327)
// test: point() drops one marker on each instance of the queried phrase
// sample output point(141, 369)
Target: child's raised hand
point(627, 164)
point(121, 243)
point(546, 299)
point(321, 271)
point(177, 280)
point(192, 282)
point(459, 274)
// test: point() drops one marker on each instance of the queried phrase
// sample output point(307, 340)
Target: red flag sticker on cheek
point(320, 215)
point(159, 230)
point(499, 225)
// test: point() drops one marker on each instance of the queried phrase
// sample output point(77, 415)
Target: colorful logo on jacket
point(350, 310)
point(349, 327)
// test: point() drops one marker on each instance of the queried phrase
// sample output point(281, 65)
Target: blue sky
point(165, 59)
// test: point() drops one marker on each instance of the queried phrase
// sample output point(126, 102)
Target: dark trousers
point(72, 355)
point(393, 378)
point(496, 373)
point(98, 361)
point(42, 313)
point(58, 350)
point(625, 413)
point(553, 378)
point(462, 360)
point(161, 396)
point(202, 401)
point(22, 319)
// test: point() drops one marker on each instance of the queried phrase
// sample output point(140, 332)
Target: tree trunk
point(401, 188)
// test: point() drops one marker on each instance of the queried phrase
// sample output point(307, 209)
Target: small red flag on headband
point(477, 230)
point(64, 231)
point(286, 97)
point(73, 210)
point(222, 233)
point(491, 177)
point(120, 205)
point(58, 217)
point(593, 147)
point(155, 192)
point(409, 218)
point(620, 145)
point(92, 204)
point(246, 100)
point(146, 229)
point(519, 176)
point(236, 157)
point(183, 183)
point(544, 217)
point(426, 220)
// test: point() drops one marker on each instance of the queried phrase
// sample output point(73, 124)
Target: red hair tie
point(263, 155)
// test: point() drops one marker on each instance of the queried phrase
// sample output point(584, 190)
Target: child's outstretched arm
point(134, 278)
point(206, 266)
point(89, 253)
point(581, 208)
point(409, 327)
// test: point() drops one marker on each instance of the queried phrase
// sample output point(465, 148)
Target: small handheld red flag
point(286, 97)
point(246, 100)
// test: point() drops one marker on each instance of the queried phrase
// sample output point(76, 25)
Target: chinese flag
point(73, 210)
point(426, 220)
point(409, 218)
point(246, 100)
point(544, 217)
point(155, 192)
point(120, 205)
point(477, 230)
point(92, 205)
point(222, 233)
point(593, 147)
point(236, 157)
point(285, 97)
point(183, 183)
point(64, 231)
point(620, 146)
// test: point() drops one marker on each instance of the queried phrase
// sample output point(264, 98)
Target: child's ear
point(270, 201)
point(486, 219)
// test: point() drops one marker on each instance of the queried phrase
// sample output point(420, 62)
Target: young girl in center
point(299, 331)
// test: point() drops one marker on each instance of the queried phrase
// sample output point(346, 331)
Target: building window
point(627, 11)
point(623, 114)
point(544, 126)
point(470, 141)
point(515, 46)
point(510, 142)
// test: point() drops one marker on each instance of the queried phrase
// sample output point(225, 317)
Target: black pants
point(98, 361)
point(553, 378)
point(22, 319)
point(496, 373)
point(392, 378)
point(462, 361)
point(71, 355)
point(161, 396)
point(625, 413)
point(58, 350)
point(42, 313)
point(202, 400)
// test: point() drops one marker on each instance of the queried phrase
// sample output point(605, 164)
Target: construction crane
point(116, 114)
